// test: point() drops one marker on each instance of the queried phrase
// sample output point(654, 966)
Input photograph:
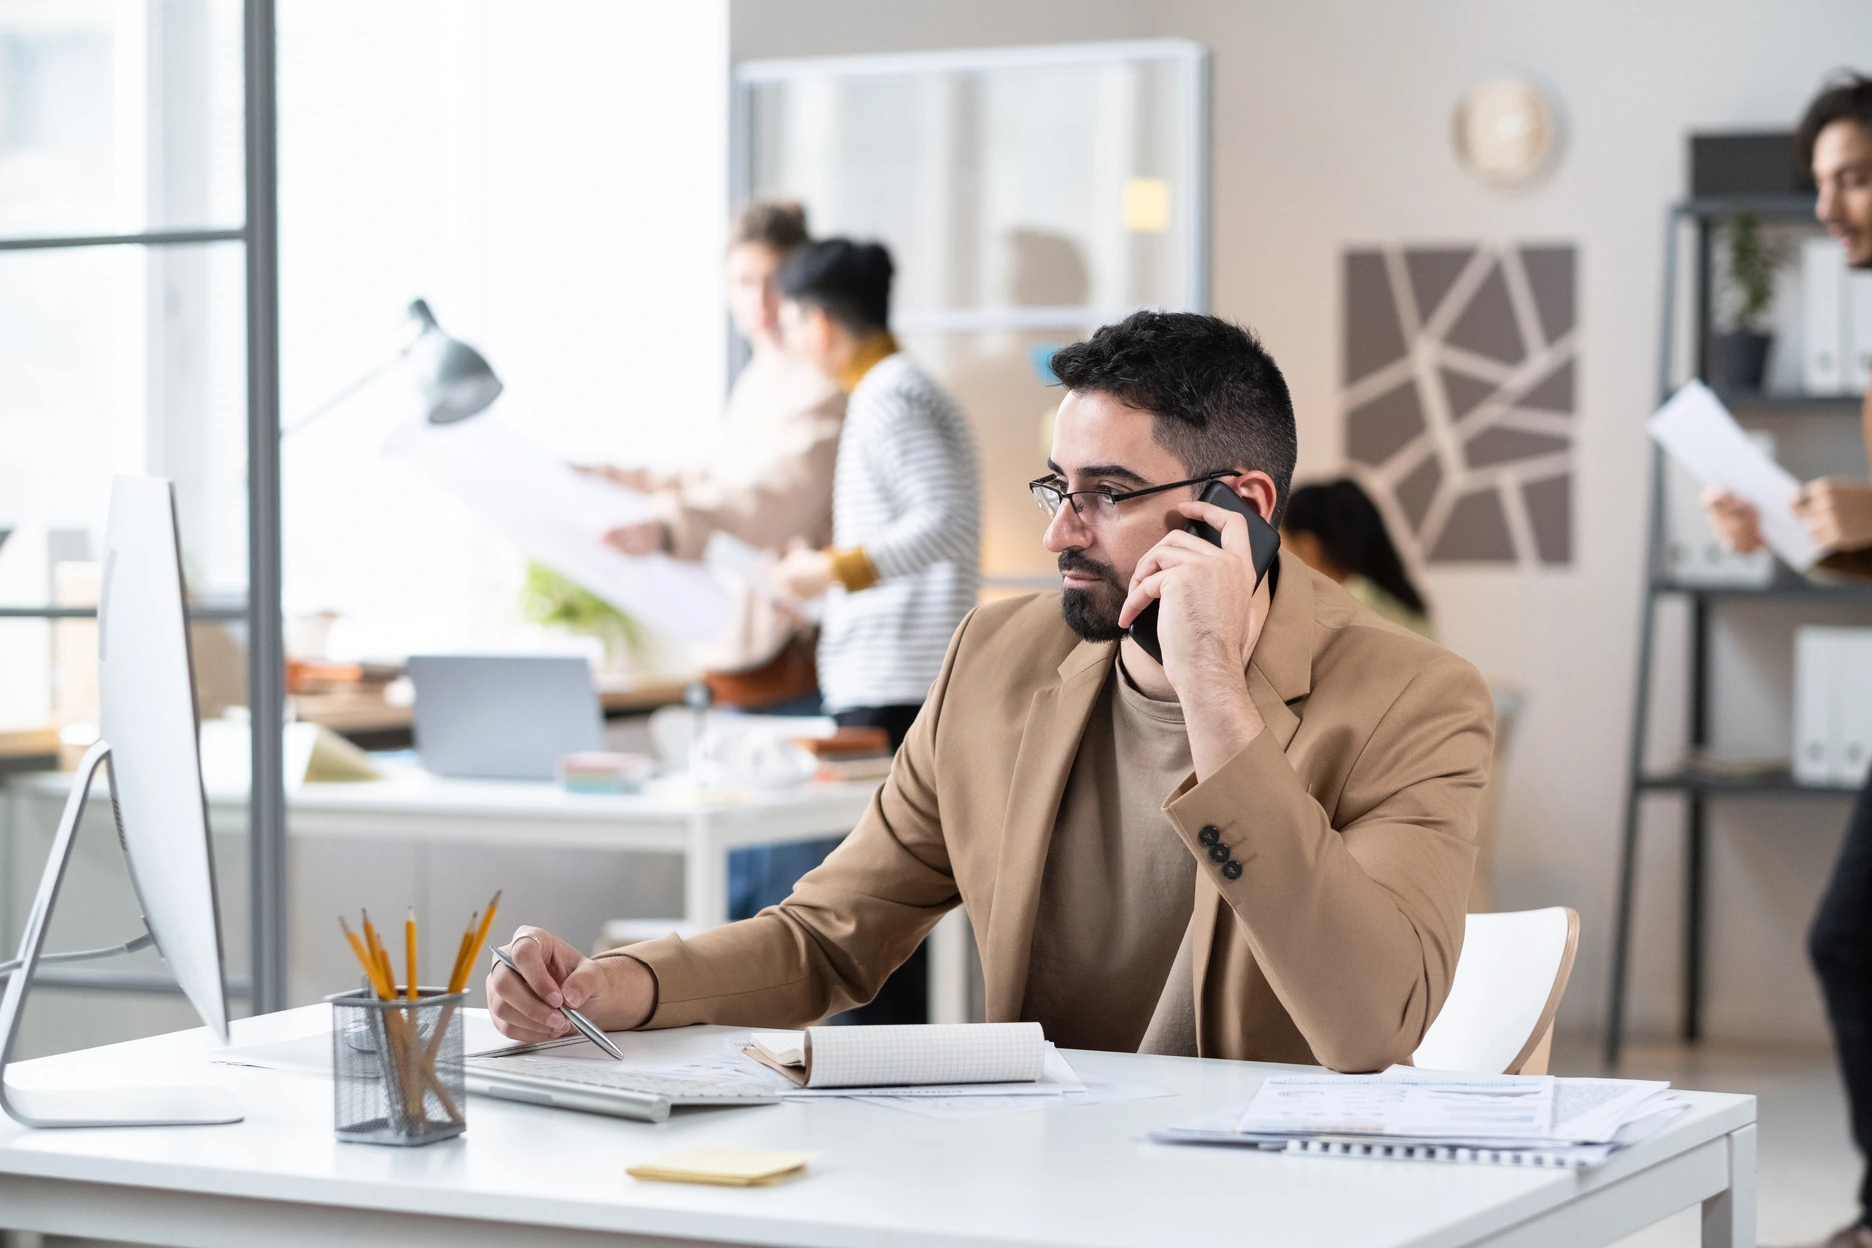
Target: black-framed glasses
point(1096, 506)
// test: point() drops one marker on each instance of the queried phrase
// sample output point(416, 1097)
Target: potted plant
point(551, 599)
point(1742, 353)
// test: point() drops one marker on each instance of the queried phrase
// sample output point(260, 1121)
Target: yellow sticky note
point(729, 1167)
point(1147, 205)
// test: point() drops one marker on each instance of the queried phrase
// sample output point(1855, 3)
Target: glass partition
point(124, 348)
point(1027, 195)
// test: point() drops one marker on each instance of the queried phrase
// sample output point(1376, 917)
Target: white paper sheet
point(1416, 1104)
point(741, 563)
point(1700, 434)
point(312, 1054)
point(1097, 1093)
point(559, 516)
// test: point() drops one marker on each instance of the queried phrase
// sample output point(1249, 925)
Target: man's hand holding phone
point(1211, 617)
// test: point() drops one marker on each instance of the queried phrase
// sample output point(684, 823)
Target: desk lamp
point(455, 379)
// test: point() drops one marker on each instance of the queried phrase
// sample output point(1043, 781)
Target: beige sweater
point(766, 479)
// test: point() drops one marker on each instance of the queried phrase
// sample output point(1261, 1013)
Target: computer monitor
point(151, 744)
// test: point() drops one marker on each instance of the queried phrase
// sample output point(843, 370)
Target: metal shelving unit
point(1697, 786)
point(266, 662)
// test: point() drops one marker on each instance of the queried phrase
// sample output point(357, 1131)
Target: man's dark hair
point(1217, 401)
point(776, 224)
point(850, 281)
point(1848, 97)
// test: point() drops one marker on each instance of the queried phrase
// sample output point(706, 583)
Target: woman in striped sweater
point(904, 564)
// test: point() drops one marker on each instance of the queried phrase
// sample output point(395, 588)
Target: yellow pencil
point(370, 937)
point(364, 959)
point(464, 955)
point(487, 921)
point(409, 954)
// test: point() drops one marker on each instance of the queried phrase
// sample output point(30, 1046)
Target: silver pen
point(585, 1026)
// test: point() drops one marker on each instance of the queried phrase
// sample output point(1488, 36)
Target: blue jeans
point(763, 875)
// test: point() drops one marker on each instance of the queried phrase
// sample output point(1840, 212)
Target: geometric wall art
point(1460, 396)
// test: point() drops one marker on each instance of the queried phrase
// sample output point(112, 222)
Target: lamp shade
point(456, 381)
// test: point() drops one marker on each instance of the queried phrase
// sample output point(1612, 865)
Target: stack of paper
point(1409, 1114)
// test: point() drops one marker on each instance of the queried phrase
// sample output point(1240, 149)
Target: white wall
point(553, 178)
point(1331, 127)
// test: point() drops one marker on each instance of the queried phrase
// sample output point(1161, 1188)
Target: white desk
point(1080, 1176)
point(412, 805)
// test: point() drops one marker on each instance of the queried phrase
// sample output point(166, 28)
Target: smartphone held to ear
point(1263, 545)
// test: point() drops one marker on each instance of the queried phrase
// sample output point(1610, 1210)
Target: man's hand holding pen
point(617, 994)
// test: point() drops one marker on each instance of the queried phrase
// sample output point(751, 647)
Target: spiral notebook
point(904, 1056)
point(1411, 1115)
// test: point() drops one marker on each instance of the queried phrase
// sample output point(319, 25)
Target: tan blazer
point(1353, 815)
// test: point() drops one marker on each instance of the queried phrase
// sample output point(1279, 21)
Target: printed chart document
point(1426, 1104)
point(559, 516)
point(1699, 433)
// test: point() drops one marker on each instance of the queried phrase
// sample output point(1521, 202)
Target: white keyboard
point(607, 1087)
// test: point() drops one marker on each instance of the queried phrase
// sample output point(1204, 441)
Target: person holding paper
point(767, 482)
point(1258, 848)
point(1835, 138)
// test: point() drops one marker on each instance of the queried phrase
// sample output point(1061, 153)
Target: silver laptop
point(531, 1073)
point(503, 717)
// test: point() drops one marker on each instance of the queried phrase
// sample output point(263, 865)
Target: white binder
point(1850, 691)
point(1823, 299)
point(1813, 711)
point(1858, 331)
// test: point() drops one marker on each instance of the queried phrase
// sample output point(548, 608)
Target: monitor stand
point(87, 1107)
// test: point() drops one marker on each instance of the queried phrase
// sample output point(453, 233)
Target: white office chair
point(1509, 981)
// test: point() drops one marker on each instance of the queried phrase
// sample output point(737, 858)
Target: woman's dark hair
point(776, 224)
point(1848, 97)
point(850, 281)
point(1347, 524)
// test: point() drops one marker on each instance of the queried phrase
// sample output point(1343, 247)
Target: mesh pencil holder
point(397, 1075)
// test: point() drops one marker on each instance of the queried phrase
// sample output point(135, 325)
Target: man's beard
point(1092, 613)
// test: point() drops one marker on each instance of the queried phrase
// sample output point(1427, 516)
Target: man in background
point(767, 481)
point(1835, 140)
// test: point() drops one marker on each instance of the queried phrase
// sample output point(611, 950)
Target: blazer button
point(1218, 853)
point(1210, 834)
point(1232, 870)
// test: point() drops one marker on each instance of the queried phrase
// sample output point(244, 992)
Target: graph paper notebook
point(904, 1056)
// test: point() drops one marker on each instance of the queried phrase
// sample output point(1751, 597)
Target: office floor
point(1808, 1169)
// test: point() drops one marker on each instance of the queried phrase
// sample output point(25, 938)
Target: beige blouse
point(766, 480)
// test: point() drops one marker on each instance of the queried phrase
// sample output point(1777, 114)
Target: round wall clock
point(1506, 132)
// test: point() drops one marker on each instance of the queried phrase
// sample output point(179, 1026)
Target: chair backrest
point(1509, 981)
